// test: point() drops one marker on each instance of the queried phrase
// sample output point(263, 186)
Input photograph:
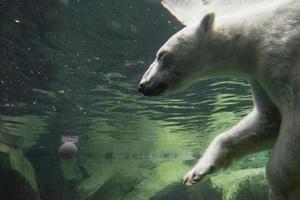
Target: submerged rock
point(249, 184)
point(243, 185)
point(203, 191)
point(70, 170)
point(17, 177)
point(116, 187)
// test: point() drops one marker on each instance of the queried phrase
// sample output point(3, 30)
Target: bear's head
point(183, 59)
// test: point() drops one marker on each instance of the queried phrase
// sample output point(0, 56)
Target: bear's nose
point(142, 87)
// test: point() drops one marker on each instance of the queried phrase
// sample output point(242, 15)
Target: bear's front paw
point(196, 175)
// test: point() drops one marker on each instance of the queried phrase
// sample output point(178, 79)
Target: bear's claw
point(197, 174)
point(192, 178)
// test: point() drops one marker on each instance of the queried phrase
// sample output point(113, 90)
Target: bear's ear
point(207, 23)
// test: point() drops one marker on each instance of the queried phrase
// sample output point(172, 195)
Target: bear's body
point(263, 47)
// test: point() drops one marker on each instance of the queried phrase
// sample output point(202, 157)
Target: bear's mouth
point(155, 90)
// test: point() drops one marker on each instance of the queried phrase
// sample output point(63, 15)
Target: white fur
point(190, 11)
point(262, 46)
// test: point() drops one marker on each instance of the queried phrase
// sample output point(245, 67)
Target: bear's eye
point(161, 54)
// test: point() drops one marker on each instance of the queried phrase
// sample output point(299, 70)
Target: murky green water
point(72, 68)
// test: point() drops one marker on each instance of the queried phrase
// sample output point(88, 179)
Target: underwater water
point(70, 68)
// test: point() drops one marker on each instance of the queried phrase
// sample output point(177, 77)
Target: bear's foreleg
point(257, 131)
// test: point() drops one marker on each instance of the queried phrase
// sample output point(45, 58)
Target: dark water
point(72, 68)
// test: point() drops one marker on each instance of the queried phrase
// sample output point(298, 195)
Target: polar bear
point(260, 43)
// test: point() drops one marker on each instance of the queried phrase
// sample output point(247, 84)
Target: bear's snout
point(153, 90)
point(141, 87)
